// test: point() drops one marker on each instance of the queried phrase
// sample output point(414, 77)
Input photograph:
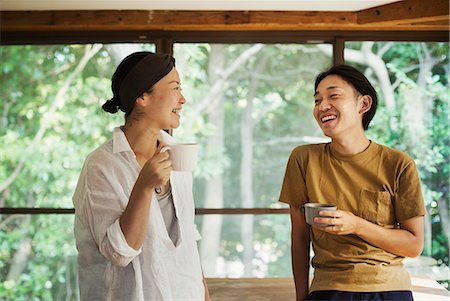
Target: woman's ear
point(365, 104)
point(141, 101)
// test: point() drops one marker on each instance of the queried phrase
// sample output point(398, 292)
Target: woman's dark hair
point(135, 75)
point(113, 105)
point(359, 82)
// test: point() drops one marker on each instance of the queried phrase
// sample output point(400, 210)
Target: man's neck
point(350, 145)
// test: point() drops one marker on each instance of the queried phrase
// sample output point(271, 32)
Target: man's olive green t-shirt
point(381, 185)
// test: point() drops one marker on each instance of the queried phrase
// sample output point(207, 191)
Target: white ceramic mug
point(183, 155)
point(312, 210)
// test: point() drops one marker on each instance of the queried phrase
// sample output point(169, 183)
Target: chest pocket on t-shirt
point(376, 207)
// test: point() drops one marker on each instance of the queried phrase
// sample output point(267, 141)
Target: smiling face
point(163, 104)
point(338, 108)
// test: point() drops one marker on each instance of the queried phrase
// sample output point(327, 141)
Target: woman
point(134, 216)
point(358, 254)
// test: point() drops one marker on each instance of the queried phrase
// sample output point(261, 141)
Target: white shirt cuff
point(118, 241)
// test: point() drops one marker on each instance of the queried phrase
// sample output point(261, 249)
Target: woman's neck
point(143, 140)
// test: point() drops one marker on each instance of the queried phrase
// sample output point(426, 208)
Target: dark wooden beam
point(162, 38)
point(198, 211)
point(170, 20)
point(338, 51)
point(413, 12)
point(134, 20)
point(234, 211)
point(164, 45)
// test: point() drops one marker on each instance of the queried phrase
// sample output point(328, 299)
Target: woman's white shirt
point(109, 269)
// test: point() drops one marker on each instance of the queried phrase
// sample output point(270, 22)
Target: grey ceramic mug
point(312, 210)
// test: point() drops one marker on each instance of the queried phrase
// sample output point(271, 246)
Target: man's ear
point(365, 104)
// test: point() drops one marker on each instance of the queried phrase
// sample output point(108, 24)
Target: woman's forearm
point(134, 220)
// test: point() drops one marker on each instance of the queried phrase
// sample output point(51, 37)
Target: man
point(358, 253)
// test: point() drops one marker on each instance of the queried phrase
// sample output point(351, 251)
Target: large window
point(248, 105)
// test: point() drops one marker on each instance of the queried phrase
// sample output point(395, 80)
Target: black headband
point(142, 77)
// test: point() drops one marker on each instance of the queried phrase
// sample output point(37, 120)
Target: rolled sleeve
point(119, 243)
point(104, 199)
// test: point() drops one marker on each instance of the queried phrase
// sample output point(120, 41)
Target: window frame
point(164, 42)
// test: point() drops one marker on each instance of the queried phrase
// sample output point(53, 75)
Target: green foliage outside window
point(50, 119)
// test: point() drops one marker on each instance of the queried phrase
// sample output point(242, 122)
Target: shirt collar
point(120, 142)
point(166, 138)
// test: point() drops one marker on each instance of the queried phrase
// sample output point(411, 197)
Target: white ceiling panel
point(244, 5)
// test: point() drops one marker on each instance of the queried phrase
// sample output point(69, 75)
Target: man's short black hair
point(359, 82)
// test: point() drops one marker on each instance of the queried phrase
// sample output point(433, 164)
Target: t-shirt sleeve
point(409, 201)
point(293, 189)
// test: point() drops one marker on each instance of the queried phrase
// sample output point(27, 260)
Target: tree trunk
point(212, 224)
point(118, 52)
point(212, 104)
point(222, 81)
point(420, 140)
point(246, 183)
point(20, 258)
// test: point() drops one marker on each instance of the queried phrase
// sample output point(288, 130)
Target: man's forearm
point(300, 267)
point(407, 241)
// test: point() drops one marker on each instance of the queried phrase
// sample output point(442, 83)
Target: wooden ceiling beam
point(104, 19)
point(111, 20)
point(406, 12)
